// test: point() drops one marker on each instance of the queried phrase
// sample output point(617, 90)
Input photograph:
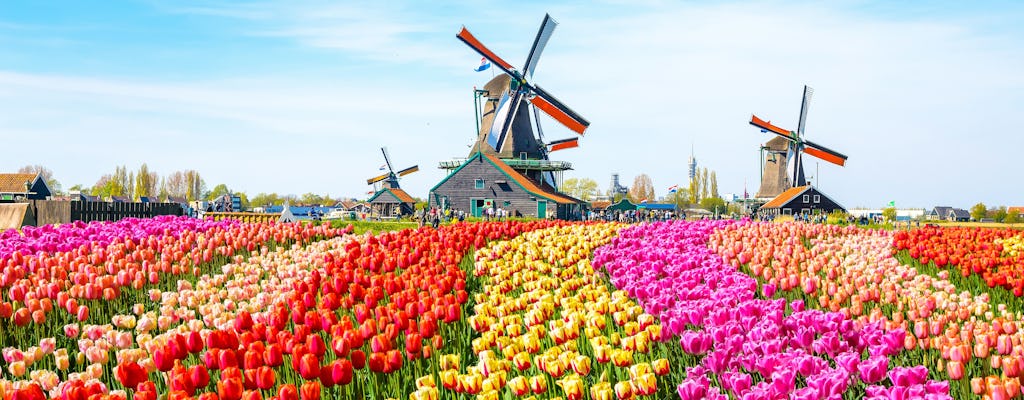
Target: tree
point(978, 211)
point(218, 191)
point(714, 185)
point(580, 188)
point(195, 187)
point(312, 198)
point(999, 214)
point(47, 175)
point(694, 191)
point(1012, 217)
point(713, 204)
point(889, 213)
point(704, 192)
point(265, 199)
point(642, 189)
point(174, 185)
point(145, 182)
point(681, 198)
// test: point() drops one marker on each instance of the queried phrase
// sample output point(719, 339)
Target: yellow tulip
point(425, 381)
point(601, 391)
point(449, 361)
point(538, 384)
point(660, 366)
point(17, 368)
point(488, 395)
point(581, 365)
point(645, 384)
point(519, 386)
point(623, 390)
point(572, 386)
point(424, 393)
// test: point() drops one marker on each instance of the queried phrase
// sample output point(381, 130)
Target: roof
point(600, 205)
point(942, 211)
point(623, 205)
point(960, 213)
point(15, 183)
point(786, 196)
point(397, 193)
point(528, 185)
point(1018, 210)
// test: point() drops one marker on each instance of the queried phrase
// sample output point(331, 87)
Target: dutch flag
point(484, 64)
point(673, 188)
point(383, 167)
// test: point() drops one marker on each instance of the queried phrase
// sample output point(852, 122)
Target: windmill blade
point(564, 144)
point(560, 112)
point(547, 26)
point(475, 44)
point(824, 153)
point(767, 126)
point(502, 123)
point(387, 160)
point(808, 92)
point(376, 179)
point(409, 170)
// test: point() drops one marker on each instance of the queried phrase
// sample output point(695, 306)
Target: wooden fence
point(61, 212)
point(247, 217)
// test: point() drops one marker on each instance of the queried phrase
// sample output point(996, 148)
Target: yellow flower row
point(544, 316)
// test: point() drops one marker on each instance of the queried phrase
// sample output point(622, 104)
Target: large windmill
point(780, 175)
point(506, 128)
point(389, 180)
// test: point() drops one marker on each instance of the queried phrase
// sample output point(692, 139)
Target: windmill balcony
point(533, 165)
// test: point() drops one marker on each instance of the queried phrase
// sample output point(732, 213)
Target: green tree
point(265, 199)
point(713, 204)
point(714, 184)
point(218, 191)
point(1012, 217)
point(195, 187)
point(889, 213)
point(146, 182)
point(581, 188)
point(978, 211)
point(311, 198)
point(999, 214)
point(681, 198)
point(642, 189)
point(704, 184)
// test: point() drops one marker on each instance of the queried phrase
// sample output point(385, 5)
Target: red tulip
point(340, 346)
point(207, 396)
point(252, 395)
point(194, 342)
point(200, 376)
point(377, 362)
point(22, 317)
point(212, 359)
point(29, 392)
point(182, 381)
point(130, 374)
point(265, 377)
point(316, 345)
point(252, 359)
point(229, 389)
point(358, 359)
point(163, 359)
point(394, 360)
point(309, 367)
point(288, 392)
point(341, 371)
point(310, 390)
point(326, 377)
point(413, 343)
point(272, 356)
point(82, 314)
point(227, 358)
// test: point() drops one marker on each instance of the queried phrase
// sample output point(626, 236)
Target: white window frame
point(817, 198)
point(479, 184)
point(807, 198)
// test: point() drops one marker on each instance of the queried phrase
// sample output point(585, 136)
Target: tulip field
point(179, 308)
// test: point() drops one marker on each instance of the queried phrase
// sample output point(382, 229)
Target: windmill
point(390, 179)
point(510, 134)
point(780, 176)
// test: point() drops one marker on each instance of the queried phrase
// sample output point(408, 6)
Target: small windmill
point(389, 180)
point(510, 134)
point(781, 176)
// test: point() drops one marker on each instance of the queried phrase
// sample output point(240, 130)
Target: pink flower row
point(720, 319)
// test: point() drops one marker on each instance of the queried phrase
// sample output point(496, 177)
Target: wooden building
point(803, 200)
point(23, 186)
point(484, 181)
point(392, 202)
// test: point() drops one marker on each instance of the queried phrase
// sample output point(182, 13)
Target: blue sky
point(298, 96)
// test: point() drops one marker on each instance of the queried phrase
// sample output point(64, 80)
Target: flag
point(484, 64)
point(370, 192)
point(643, 201)
point(673, 188)
point(892, 203)
point(383, 167)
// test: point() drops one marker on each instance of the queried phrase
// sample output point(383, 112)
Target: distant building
point(804, 200)
point(392, 202)
point(949, 214)
point(26, 186)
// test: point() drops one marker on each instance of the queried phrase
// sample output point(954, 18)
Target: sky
point(298, 96)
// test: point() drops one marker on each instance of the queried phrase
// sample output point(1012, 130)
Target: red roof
point(1019, 210)
point(786, 196)
point(15, 183)
point(528, 184)
point(402, 195)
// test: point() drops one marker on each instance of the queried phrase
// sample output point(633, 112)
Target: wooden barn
point(804, 200)
point(392, 202)
point(485, 181)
